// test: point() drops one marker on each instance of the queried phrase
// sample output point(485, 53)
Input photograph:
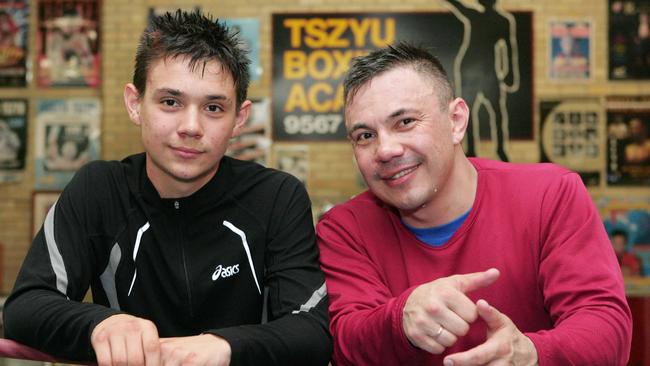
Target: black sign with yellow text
point(312, 52)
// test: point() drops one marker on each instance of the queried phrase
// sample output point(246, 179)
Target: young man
point(187, 252)
point(457, 261)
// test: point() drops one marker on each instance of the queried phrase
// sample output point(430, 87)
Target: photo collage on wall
point(571, 135)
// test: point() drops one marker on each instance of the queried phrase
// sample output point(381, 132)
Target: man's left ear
point(132, 103)
point(242, 117)
point(459, 117)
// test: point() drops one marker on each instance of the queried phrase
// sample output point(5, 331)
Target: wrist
point(222, 345)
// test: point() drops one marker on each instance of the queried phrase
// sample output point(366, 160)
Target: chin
point(401, 202)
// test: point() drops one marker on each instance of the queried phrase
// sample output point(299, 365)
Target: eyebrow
point(177, 93)
point(397, 113)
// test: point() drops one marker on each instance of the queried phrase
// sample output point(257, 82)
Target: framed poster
point(629, 214)
point(628, 141)
point(248, 30)
point(13, 139)
point(14, 27)
point(42, 201)
point(570, 50)
point(571, 134)
point(629, 39)
point(312, 52)
point(67, 137)
point(68, 43)
point(253, 143)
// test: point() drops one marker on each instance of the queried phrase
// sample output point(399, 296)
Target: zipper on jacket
point(177, 206)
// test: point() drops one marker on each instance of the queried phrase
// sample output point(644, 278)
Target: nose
point(388, 147)
point(190, 124)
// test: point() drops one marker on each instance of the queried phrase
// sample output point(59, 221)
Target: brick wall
point(332, 175)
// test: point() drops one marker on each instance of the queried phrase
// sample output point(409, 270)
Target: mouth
point(186, 152)
point(401, 173)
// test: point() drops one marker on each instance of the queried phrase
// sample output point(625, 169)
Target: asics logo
point(225, 272)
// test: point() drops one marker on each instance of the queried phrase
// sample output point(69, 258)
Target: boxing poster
point(13, 139)
point(14, 27)
point(628, 141)
point(68, 43)
point(67, 137)
point(570, 50)
point(629, 39)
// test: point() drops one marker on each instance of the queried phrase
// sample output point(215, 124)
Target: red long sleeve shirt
point(560, 282)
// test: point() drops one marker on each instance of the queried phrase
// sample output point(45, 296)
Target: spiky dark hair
point(193, 35)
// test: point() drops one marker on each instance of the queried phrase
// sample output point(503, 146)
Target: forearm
point(589, 339)
point(50, 322)
point(373, 335)
point(295, 339)
point(582, 284)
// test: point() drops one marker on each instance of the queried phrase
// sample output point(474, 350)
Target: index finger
point(151, 346)
point(477, 356)
point(102, 352)
point(473, 281)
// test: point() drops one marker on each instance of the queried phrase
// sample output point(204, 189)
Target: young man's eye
point(169, 102)
point(214, 108)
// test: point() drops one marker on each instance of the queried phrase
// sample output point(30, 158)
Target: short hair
point(196, 36)
point(619, 232)
point(365, 68)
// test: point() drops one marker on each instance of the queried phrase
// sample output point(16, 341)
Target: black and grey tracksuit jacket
point(240, 249)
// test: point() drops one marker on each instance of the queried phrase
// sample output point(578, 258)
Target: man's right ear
point(132, 102)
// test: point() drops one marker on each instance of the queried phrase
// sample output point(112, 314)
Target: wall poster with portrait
point(570, 50)
point(13, 139)
point(628, 141)
point(67, 137)
point(14, 27)
point(629, 216)
point(68, 43)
